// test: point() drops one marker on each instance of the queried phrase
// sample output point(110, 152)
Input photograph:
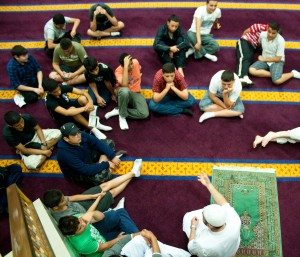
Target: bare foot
point(267, 138)
point(257, 141)
point(181, 71)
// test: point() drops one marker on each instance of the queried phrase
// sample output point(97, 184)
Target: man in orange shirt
point(131, 103)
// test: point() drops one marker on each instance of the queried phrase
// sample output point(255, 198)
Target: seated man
point(55, 30)
point(280, 137)
point(170, 94)
point(171, 43)
point(84, 158)
point(246, 47)
point(33, 143)
point(146, 244)
point(25, 76)
point(103, 23)
point(62, 109)
point(83, 236)
point(215, 229)
point(68, 62)
point(9, 175)
point(223, 97)
point(270, 63)
point(131, 103)
point(101, 80)
point(203, 43)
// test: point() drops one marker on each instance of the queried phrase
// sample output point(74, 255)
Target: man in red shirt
point(170, 94)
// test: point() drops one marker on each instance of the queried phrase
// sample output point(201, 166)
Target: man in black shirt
point(101, 80)
point(63, 110)
point(33, 143)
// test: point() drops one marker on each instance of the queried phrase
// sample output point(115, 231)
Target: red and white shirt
point(253, 36)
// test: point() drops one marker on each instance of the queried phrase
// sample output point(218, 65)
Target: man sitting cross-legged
point(84, 158)
point(96, 198)
point(170, 94)
point(62, 109)
point(280, 137)
point(131, 103)
point(223, 97)
point(33, 143)
point(103, 23)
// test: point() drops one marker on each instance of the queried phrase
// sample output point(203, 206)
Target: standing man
point(103, 23)
point(270, 63)
point(102, 81)
point(25, 76)
point(131, 103)
point(171, 43)
point(170, 94)
point(223, 97)
point(55, 30)
point(33, 143)
point(84, 158)
point(245, 49)
point(202, 42)
point(68, 62)
point(62, 109)
point(214, 230)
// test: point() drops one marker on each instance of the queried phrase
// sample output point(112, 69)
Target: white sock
point(112, 113)
point(121, 204)
point(206, 115)
point(211, 57)
point(103, 127)
point(114, 34)
point(137, 166)
point(123, 123)
point(296, 74)
point(189, 52)
point(98, 133)
point(247, 80)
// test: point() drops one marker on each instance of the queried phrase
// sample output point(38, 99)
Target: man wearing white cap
point(213, 231)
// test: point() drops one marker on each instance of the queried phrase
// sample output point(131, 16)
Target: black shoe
point(188, 112)
point(121, 153)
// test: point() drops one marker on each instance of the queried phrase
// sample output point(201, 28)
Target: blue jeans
point(171, 105)
point(102, 91)
point(114, 223)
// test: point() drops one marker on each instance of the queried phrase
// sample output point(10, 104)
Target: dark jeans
point(178, 58)
point(102, 91)
point(114, 223)
point(8, 175)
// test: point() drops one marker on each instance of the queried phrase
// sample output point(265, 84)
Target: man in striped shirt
point(246, 47)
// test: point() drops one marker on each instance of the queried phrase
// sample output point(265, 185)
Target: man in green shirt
point(68, 62)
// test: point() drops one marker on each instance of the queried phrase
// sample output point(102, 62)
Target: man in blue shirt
point(25, 74)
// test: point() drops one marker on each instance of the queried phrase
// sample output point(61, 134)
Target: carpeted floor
point(179, 144)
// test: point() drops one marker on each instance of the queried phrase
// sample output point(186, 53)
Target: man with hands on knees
point(213, 231)
point(223, 97)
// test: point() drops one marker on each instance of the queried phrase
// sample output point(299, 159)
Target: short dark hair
point(18, 50)
point(90, 63)
point(274, 26)
point(52, 198)
point(207, 1)
point(227, 76)
point(65, 43)
point(59, 19)
point(168, 67)
point(68, 225)
point(12, 118)
point(50, 85)
point(122, 57)
point(173, 17)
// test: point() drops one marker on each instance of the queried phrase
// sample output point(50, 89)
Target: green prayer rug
point(253, 194)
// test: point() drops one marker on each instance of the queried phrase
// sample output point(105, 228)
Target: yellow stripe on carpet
point(126, 42)
point(146, 5)
point(259, 96)
point(174, 168)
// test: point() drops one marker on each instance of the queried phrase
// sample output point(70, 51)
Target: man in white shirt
point(270, 63)
point(202, 42)
point(55, 30)
point(223, 97)
point(213, 231)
